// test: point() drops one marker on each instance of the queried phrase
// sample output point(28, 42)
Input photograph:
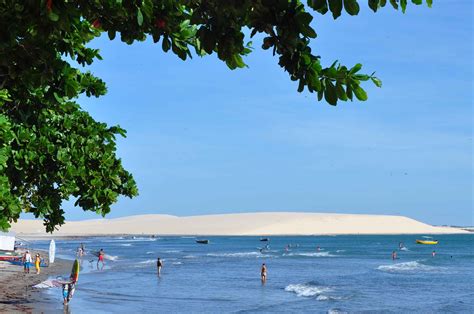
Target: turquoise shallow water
point(348, 274)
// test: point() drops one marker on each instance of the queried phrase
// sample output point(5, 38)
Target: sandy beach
point(245, 224)
point(16, 292)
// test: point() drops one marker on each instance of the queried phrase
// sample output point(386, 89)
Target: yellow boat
point(427, 241)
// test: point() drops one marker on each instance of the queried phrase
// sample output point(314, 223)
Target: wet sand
point(16, 292)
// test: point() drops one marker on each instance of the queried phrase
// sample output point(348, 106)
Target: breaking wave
point(309, 290)
point(311, 254)
point(238, 254)
point(408, 267)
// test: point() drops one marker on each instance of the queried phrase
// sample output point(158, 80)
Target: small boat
point(427, 242)
point(202, 241)
point(8, 258)
point(264, 239)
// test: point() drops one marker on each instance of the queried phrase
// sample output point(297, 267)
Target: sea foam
point(238, 254)
point(311, 254)
point(407, 267)
point(309, 290)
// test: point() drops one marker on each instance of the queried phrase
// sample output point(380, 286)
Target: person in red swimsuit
point(101, 258)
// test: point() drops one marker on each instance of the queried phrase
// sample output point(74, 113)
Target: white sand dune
point(265, 223)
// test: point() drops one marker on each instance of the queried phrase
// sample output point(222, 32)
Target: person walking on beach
point(394, 255)
point(68, 290)
point(65, 287)
point(27, 262)
point(37, 263)
point(263, 273)
point(101, 258)
point(159, 265)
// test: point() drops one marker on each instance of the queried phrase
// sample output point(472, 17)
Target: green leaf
point(349, 92)
point(320, 94)
point(301, 85)
point(320, 6)
point(208, 41)
point(403, 4)
point(351, 6)
point(53, 16)
point(356, 68)
point(394, 4)
point(166, 44)
point(336, 8)
point(341, 93)
point(58, 98)
point(111, 34)
point(429, 3)
point(360, 93)
point(374, 5)
point(139, 17)
point(376, 81)
point(417, 2)
point(308, 32)
point(330, 94)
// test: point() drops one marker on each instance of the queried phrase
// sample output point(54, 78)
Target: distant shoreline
point(243, 224)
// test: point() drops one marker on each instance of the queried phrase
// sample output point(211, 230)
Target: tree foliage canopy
point(51, 150)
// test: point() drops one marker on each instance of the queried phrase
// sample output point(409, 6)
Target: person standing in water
point(433, 254)
point(263, 273)
point(394, 255)
point(101, 258)
point(159, 266)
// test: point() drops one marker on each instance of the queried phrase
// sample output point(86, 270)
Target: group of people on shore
point(27, 260)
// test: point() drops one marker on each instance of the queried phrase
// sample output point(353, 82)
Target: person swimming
point(433, 254)
point(394, 255)
point(263, 273)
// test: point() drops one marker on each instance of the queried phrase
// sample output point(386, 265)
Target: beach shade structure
point(7, 241)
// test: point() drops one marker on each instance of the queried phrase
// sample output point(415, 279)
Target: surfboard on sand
point(52, 251)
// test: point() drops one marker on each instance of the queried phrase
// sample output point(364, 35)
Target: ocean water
point(349, 274)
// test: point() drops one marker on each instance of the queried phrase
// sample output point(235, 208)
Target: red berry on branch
point(49, 5)
point(96, 24)
point(160, 23)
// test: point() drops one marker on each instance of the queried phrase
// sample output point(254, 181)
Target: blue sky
point(204, 139)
